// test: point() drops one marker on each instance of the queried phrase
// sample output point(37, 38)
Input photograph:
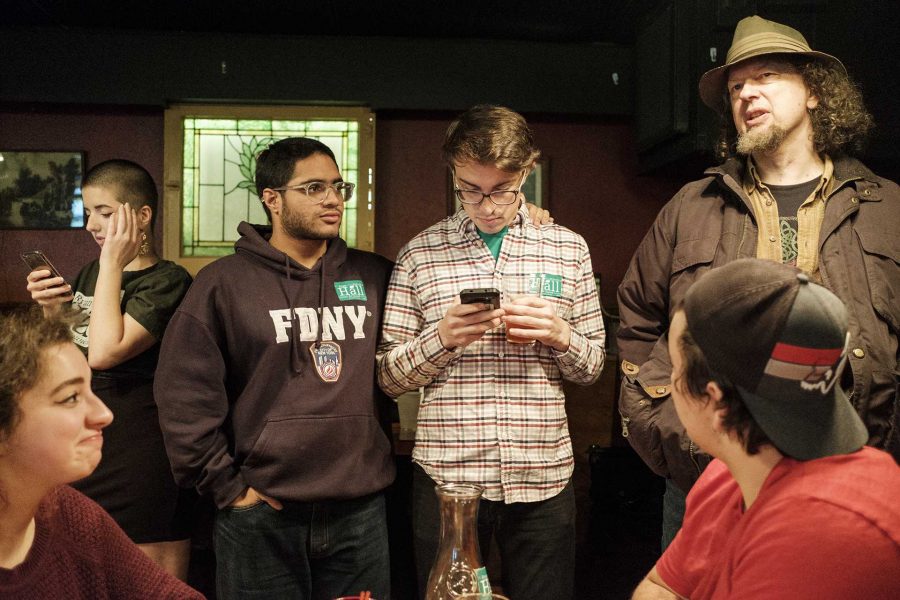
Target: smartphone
point(489, 296)
point(37, 261)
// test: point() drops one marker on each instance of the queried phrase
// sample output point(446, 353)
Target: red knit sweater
point(80, 552)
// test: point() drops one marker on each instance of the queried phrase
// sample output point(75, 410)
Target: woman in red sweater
point(54, 541)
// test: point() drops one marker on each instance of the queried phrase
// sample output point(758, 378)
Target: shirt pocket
point(881, 255)
point(690, 259)
point(559, 290)
point(691, 253)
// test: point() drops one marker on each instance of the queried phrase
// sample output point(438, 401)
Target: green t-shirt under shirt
point(494, 241)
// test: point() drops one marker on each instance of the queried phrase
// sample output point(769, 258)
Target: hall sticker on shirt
point(550, 285)
point(353, 289)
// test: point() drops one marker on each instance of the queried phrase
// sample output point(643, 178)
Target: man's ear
point(272, 200)
point(812, 102)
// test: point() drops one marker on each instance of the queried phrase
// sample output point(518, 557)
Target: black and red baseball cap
point(782, 340)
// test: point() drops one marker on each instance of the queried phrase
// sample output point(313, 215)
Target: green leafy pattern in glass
point(234, 144)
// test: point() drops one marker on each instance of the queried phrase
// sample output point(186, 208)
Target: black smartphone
point(489, 296)
point(38, 261)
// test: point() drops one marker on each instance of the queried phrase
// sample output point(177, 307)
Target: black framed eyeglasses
point(317, 191)
point(498, 197)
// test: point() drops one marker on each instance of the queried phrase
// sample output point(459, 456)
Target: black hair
point(130, 182)
point(275, 165)
point(696, 373)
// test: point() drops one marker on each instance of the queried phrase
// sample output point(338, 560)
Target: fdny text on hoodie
point(307, 319)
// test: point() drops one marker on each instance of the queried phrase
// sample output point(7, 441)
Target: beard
point(305, 227)
point(760, 140)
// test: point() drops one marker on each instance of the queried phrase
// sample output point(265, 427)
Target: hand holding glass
point(516, 288)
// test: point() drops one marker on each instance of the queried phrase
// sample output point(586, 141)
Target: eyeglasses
point(317, 191)
point(499, 197)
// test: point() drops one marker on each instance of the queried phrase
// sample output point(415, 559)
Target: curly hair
point(840, 121)
point(696, 373)
point(24, 335)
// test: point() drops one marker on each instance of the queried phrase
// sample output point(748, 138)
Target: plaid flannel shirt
point(493, 413)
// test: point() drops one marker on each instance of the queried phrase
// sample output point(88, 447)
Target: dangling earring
point(145, 245)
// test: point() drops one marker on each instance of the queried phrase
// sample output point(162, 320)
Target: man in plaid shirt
point(493, 412)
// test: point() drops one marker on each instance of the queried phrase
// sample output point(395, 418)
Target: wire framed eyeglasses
point(317, 191)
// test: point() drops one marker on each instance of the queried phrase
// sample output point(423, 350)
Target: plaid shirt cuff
point(434, 351)
point(573, 360)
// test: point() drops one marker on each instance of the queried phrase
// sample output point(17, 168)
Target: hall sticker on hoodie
point(353, 289)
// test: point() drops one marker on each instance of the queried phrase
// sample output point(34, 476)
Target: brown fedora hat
point(755, 36)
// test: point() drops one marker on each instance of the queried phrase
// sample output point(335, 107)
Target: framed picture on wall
point(536, 187)
point(41, 189)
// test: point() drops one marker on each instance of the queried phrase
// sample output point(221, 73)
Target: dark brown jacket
point(709, 223)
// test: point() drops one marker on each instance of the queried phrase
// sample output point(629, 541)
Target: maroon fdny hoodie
point(266, 376)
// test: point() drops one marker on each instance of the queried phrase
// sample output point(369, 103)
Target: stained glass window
point(218, 163)
point(219, 166)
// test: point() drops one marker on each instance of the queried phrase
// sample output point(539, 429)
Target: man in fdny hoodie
point(267, 395)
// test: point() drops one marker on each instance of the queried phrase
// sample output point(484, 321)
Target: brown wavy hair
point(840, 122)
point(24, 335)
point(490, 135)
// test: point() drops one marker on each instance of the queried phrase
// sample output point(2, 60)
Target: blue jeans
point(673, 512)
point(536, 540)
point(308, 550)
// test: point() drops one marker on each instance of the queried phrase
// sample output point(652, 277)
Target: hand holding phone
point(487, 296)
point(38, 261)
point(464, 324)
point(50, 291)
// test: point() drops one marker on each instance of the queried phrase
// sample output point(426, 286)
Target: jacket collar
point(847, 170)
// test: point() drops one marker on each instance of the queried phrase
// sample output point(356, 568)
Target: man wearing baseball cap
point(795, 506)
point(788, 191)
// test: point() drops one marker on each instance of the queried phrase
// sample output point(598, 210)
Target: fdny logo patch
point(327, 358)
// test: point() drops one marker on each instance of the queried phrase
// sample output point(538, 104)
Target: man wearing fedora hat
point(787, 191)
point(795, 506)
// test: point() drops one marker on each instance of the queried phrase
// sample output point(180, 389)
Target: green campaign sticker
point(552, 286)
point(350, 290)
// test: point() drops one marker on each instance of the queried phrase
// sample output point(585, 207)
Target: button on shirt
point(493, 413)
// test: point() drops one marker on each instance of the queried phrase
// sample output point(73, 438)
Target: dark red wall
point(593, 186)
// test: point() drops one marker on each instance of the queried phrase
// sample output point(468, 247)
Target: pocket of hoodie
point(282, 453)
point(881, 255)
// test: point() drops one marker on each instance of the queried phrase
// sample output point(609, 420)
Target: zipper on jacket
point(625, 422)
point(692, 450)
